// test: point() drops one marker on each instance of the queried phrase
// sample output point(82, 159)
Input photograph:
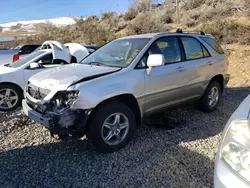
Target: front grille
point(36, 92)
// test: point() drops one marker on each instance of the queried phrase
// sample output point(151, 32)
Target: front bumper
point(36, 116)
point(226, 178)
point(52, 122)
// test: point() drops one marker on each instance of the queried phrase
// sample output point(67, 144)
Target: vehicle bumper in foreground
point(226, 178)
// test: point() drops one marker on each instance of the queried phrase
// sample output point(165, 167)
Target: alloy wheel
point(115, 129)
point(8, 98)
point(213, 97)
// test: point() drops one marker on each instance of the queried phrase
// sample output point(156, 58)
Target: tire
point(96, 131)
point(204, 103)
point(14, 92)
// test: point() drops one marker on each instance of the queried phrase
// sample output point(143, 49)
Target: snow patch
point(29, 26)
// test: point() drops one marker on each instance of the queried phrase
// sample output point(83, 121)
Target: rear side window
point(46, 60)
point(193, 48)
point(215, 45)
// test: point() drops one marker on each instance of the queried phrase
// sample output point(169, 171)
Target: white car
point(14, 76)
point(232, 167)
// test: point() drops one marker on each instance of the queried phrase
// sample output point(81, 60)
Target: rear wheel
point(210, 99)
point(10, 97)
point(111, 127)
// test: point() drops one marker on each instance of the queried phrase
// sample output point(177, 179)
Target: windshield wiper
point(96, 63)
point(102, 64)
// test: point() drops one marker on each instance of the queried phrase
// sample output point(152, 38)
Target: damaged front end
point(56, 114)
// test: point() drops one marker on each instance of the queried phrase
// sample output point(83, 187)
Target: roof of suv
point(152, 35)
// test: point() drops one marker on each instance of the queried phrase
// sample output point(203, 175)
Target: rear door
point(194, 68)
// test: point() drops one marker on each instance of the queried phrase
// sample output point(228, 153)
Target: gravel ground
point(163, 153)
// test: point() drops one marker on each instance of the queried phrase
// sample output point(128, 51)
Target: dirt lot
point(164, 152)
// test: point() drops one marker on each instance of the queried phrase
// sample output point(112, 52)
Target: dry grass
point(227, 20)
point(239, 58)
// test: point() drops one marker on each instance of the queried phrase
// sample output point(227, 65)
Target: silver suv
point(109, 92)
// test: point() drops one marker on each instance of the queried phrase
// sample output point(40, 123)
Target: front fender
point(90, 99)
point(95, 91)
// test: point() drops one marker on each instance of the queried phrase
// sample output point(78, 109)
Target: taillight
point(16, 57)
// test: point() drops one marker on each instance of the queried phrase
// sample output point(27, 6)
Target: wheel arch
point(127, 99)
point(12, 84)
point(220, 79)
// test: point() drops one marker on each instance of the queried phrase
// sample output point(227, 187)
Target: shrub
point(108, 15)
point(93, 18)
point(16, 27)
point(149, 22)
point(188, 21)
point(167, 18)
point(228, 31)
point(192, 4)
point(130, 14)
point(142, 5)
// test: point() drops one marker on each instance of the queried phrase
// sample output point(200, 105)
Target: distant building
point(4, 40)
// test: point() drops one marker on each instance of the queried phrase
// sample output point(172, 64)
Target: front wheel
point(10, 97)
point(211, 97)
point(111, 127)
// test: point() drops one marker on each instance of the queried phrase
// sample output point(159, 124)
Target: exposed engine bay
point(62, 119)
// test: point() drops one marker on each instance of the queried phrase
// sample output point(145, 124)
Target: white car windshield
point(26, 59)
point(118, 53)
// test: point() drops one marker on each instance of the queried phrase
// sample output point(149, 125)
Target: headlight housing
point(68, 97)
point(235, 148)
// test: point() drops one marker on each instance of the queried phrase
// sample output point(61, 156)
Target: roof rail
point(190, 32)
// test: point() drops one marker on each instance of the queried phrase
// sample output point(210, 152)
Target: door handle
point(180, 69)
point(210, 63)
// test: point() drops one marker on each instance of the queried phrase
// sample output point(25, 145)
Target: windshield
point(26, 59)
point(118, 53)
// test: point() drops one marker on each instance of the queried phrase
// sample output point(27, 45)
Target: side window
point(193, 48)
point(168, 46)
point(215, 45)
point(205, 52)
point(46, 60)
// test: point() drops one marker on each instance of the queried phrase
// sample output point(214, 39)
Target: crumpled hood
point(61, 77)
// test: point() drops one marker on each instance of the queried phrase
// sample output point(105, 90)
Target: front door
point(163, 86)
point(45, 62)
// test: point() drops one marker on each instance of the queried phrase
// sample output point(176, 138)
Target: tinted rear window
point(215, 45)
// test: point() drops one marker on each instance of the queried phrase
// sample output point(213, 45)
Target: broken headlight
point(68, 97)
point(235, 149)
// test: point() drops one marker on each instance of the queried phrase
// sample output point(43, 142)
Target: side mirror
point(154, 60)
point(34, 65)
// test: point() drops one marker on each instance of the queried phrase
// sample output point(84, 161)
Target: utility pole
point(177, 12)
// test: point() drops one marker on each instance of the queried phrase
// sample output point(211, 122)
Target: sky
point(20, 10)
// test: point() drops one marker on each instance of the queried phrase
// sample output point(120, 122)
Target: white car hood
point(65, 51)
point(61, 78)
